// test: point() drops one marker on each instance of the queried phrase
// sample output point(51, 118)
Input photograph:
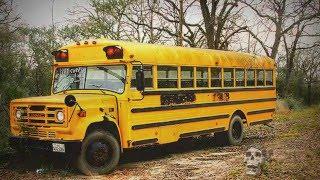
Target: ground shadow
point(43, 161)
point(60, 163)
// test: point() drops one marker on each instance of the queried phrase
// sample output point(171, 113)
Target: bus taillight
point(113, 52)
point(61, 55)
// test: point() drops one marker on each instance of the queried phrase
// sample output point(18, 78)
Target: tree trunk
point(309, 92)
point(208, 24)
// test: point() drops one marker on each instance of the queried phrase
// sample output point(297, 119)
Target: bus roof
point(92, 53)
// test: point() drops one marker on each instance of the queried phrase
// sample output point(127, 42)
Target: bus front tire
point(100, 153)
point(234, 135)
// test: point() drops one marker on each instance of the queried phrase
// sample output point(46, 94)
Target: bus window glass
point(186, 77)
point(215, 77)
point(202, 77)
point(147, 75)
point(109, 78)
point(250, 77)
point(167, 77)
point(228, 77)
point(239, 77)
point(269, 78)
point(260, 77)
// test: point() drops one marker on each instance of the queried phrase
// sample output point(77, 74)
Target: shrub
point(294, 103)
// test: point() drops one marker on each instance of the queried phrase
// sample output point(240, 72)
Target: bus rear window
point(269, 78)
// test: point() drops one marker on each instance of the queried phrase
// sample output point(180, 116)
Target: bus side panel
point(169, 125)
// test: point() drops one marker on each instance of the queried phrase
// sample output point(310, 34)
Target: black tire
point(20, 151)
point(100, 153)
point(234, 135)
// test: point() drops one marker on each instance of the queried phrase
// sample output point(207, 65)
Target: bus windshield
point(111, 78)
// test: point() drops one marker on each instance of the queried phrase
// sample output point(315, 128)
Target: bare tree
point(215, 29)
point(102, 18)
point(309, 63)
point(7, 18)
point(295, 41)
point(166, 21)
point(220, 26)
point(6, 12)
point(278, 18)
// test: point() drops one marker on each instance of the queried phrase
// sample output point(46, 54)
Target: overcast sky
point(38, 12)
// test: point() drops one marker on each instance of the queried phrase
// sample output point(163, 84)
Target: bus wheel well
point(109, 126)
point(241, 114)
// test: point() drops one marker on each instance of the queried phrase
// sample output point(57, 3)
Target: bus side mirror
point(140, 80)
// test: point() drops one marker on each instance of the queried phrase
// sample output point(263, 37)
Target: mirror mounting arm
point(140, 80)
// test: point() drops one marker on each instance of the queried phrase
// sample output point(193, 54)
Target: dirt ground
point(292, 140)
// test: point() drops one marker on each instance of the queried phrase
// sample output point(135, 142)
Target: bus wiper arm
point(99, 88)
point(112, 73)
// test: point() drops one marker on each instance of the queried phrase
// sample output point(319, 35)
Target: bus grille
point(40, 115)
point(38, 133)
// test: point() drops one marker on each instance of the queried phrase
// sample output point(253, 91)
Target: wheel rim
point(236, 130)
point(98, 154)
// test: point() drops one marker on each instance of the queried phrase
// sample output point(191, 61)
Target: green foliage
point(40, 42)
point(25, 64)
point(294, 103)
point(297, 93)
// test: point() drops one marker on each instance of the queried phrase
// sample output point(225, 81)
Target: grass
point(301, 114)
point(297, 150)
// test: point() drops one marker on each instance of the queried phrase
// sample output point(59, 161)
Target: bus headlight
point(60, 116)
point(18, 114)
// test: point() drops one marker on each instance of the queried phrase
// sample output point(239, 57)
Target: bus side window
point(216, 77)
point(228, 77)
point(147, 75)
point(260, 77)
point(186, 77)
point(269, 78)
point(202, 77)
point(167, 77)
point(250, 77)
point(239, 77)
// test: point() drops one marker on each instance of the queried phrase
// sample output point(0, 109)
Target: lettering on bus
point(181, 98)
point(221, 96)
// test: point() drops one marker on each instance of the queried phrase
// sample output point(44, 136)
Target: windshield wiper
point(112, 73)
point(99, 88)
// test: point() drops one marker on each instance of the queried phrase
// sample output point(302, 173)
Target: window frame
point(214, 78)
point(236, 78)
point(196, 70)
point(177, 79)
point(272, 77)
point(190, 79)
point(152, 75)
point(254, 78)
point(257, 77)
point(232, 77)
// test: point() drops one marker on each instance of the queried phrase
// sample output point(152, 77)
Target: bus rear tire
point(234, 135)
point(100, 153)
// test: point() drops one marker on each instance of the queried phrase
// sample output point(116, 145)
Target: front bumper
point(43, 145)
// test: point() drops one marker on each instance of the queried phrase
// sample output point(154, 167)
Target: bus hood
point(59, 99)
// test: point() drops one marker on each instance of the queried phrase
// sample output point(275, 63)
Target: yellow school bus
point(108, 96)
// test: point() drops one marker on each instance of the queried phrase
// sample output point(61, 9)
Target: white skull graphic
point(254, 159)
